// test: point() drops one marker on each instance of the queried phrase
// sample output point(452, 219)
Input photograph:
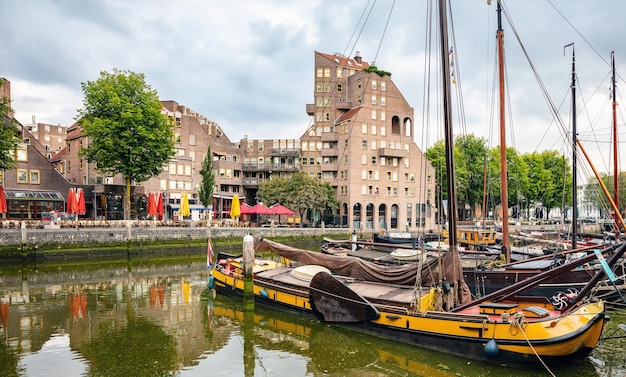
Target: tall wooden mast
point(449, 136)
point(615, 156)
point(504, 193)
point(574, 159)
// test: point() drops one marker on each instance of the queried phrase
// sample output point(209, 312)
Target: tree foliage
point(9, 134)
point(300, 193)
point(205, 191)
point(596, 197)
point(538, 179)
point(127, 133)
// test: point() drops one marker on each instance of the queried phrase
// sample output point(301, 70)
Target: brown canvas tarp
point(364, 270)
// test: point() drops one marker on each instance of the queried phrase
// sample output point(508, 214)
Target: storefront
point(29, 205)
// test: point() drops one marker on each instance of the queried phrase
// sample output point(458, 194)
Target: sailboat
point(487, 280)
point(427, 305)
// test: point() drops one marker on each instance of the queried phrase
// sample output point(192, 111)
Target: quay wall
point(28, 236)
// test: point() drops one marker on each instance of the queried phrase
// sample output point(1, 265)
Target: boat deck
point(372, 291)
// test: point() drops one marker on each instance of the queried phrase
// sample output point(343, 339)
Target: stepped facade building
point(360, 140)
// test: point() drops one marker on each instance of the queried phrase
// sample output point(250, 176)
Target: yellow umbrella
point(184, 205)
point(235, 208)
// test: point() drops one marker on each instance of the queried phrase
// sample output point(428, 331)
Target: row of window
point(30, 176)
point(325, 72)
point(276, 144)
point(321, 116)
point(46, 128)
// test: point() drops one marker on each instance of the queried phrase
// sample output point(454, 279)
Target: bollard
point(248, 278)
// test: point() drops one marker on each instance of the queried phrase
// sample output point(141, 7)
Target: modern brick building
point(360, 140)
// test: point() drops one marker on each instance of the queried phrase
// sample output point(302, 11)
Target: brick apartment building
point(360, 140)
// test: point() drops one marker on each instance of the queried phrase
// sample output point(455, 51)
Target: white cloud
point(249, 64)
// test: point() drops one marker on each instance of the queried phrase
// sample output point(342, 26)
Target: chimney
point(357, 57)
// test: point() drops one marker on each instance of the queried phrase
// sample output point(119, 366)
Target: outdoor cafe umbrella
point(71, 205)
point(3, 200)
point(280, 210)
point(152, 205)
point(258, 209)
point(235, 208)
point(160, 209)
point(81, 209)
point(184, 205)
point(246, 209)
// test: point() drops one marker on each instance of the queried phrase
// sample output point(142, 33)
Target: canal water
point(156, 317)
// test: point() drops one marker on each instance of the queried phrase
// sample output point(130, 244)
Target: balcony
point(285, 152)
point(248, 182)
point(342, 104)
point(330, 166)
point(223, 164)
point(285, 167)
point(388, 152)
point(330, 136)
point(310, 109)
point(330, 152)
point(257, 167)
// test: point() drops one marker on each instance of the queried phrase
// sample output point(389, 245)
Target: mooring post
point(248, 264)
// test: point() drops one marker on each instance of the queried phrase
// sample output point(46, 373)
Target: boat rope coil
point(518, 322)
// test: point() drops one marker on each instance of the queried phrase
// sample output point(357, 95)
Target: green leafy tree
point(470, 159)
point(558, 188)
point(205, 191)
point(8, 133)
point(127, 132)
point(300, 193)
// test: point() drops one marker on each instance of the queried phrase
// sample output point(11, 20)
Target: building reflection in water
point(147, 320)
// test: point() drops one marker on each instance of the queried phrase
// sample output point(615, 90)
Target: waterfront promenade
point(18, 233)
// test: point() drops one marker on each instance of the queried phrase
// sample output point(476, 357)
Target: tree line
point(537, 182)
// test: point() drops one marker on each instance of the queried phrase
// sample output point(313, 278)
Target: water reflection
point(137, 318)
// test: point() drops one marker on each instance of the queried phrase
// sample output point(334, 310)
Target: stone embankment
point(38, 237)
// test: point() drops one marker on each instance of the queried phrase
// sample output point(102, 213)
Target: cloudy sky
point(248, 65)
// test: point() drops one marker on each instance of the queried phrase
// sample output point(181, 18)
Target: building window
point(320, 72)
point(383, 131)
point(383, 116)
point(327, 87)
point(339, 88)
point(364, 159)
point(339, 72)
point(383, 86)
point(34, 177)
point(192, 139)
point(374, 99)
point(22, 154)
point(373, 114)
point(22, 176)
point(364, 143)
point(326, 72)
point(374, 84)
point(359, 84)
point(319, 87)
point(177, 138)
point(383, 101)
point(374, 160)
point(373, 129)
